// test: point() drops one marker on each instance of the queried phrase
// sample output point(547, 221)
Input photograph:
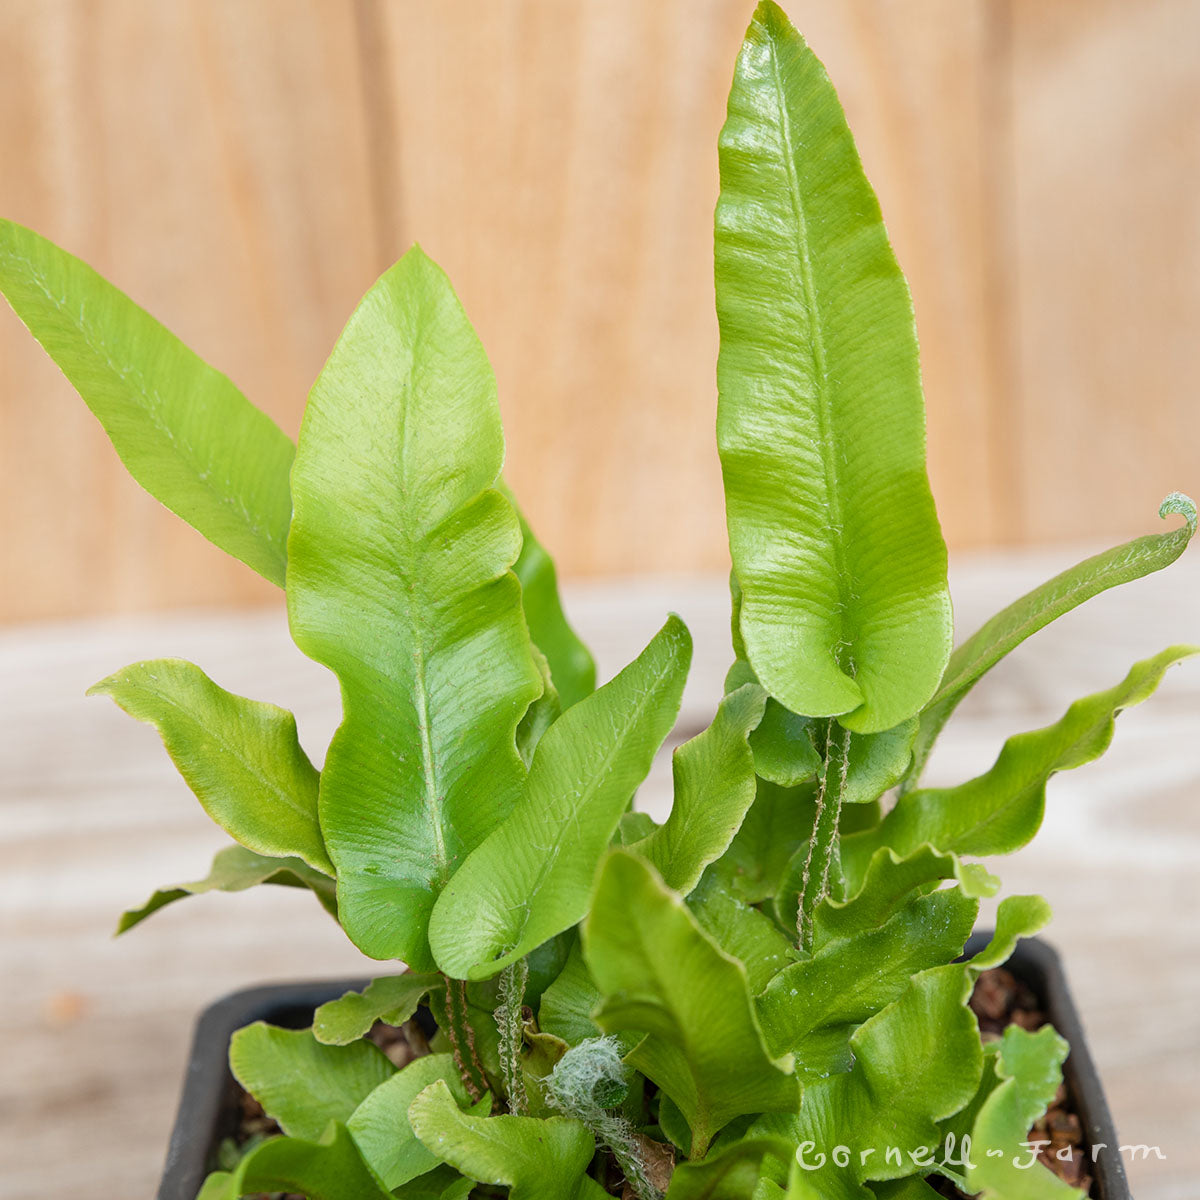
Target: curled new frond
point(587, 1083)
point(1184, 506)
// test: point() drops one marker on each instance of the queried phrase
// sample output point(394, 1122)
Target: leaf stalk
point(822, 846)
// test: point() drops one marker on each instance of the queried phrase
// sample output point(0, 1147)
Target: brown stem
point(462, 1039)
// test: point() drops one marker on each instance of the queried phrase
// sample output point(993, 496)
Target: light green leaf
point(1035, 610)
point(877, 762)
point(782, 742)
point(1029, 1065)
point(634, 827)
point(779, 822)
point(813, 1007)
point(541, 714)
point(183, 430)
point(912, 1188)
point(571, 664)
point(241, 757)
point(887, 884)
point(742, 931)
point(714, 787)
point(234, 869)
point(532, 877)
point(300, 1083)
point(329, 1169)
point(661, 975)
point(444, 1183)
point(731, 1173)
point(789, 749)
point(1017, 917)
point(1000, 811)
point(834, 537)
point(568, 1003)
point(392, 1000)
point(914, 1063)
point(380, 1123)
point(536, 1159)
point(399, 582)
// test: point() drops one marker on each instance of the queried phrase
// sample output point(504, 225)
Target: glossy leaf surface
point(1001, 810)
point(392, 1000)
point(1029, 1067)
point(1035, 610)
point(302, 1084)
point(234, 869)
point(532, 877)
point(662, 976)
point(399, 581)
point(535, 1159)
point(916, 1062)
point(714, 787)
point(812, 1008)
point(240, 757)
point(380, 1123)
point(833, 533)
point(182, 429)
point(331, 1168)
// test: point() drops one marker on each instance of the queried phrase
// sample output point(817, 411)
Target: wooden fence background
point(245, 168)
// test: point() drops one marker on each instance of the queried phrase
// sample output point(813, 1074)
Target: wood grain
point(246, 170)
point(1107, 103)
point(211, 159)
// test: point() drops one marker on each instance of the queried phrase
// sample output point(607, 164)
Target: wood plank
point(1107, 104)
point(560, 161)
point(210, 158)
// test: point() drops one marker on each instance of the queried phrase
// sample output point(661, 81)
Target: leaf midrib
point(990, 653)
point(597, 778)
point(151, 404)
point(281, 793)
point(823, 405)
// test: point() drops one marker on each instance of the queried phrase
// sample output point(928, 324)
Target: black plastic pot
point(208, 1107)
